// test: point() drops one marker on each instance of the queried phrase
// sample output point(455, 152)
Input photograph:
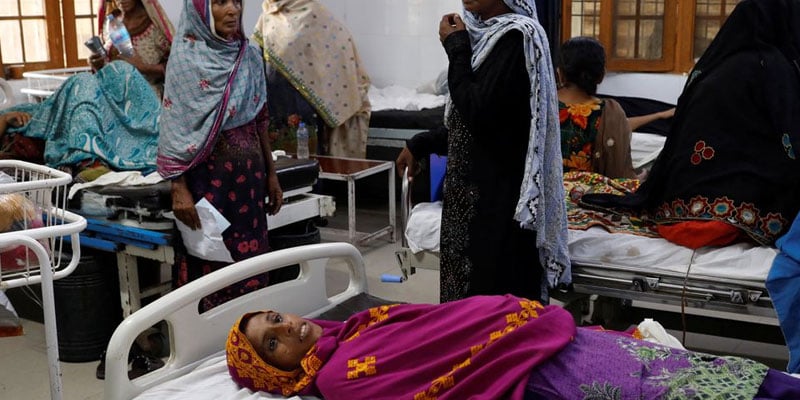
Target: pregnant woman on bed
point(213, 143)
point(503, 220)
point(483, 347)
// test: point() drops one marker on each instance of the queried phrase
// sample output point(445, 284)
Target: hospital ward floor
point(23, 360)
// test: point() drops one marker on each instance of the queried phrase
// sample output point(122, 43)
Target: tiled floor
point(23, 361)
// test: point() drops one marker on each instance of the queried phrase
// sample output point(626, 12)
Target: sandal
point(144, 364)
point(141, 363)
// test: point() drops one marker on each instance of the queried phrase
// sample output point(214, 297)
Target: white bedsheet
point(422, 232)
point(209, 381)
point(596, 247)
point(645, 147)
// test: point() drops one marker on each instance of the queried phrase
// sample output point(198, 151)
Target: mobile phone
point(95, 45)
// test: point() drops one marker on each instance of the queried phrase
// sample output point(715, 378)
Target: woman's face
point(127, 5)
point(486, 8)
point(282, 340)
point(226, 17)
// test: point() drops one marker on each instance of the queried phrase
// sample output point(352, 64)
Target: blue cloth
point(111, 116)
point(783, 284)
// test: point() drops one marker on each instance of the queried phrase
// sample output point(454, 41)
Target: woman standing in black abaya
point(503, 219)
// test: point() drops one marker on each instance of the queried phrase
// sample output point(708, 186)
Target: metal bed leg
point(351, 209)
point(392, 210)
point(129, 291)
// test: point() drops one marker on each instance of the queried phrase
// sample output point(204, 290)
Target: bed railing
point(194, 336)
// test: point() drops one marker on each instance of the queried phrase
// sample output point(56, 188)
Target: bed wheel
point(738, 297)
point(640, 284)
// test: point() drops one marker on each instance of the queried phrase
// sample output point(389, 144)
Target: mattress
point(596, 247)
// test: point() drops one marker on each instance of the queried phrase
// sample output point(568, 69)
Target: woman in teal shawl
point(108, 117)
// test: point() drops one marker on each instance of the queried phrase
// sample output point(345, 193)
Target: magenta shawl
point(481, 347)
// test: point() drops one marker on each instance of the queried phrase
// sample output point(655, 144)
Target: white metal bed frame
point(46, 189)
point(194, 336)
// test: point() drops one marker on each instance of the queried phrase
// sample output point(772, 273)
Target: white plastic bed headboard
point(195, 336)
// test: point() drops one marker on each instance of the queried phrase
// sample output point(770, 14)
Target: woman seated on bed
point(151, 35)
point(595, 133)
point(487, 347)
point(729, 169)
point(106, 119)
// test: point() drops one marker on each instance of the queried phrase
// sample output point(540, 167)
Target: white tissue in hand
point(206, 243)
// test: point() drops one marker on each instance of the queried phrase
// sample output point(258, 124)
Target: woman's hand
point(406, 160)
point(183, 204)
point(16, 118)
point(97, 61)
point(137, 62)
point(450, 23)
point(275, 194)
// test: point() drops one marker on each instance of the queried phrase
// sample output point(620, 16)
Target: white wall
point(398, 39)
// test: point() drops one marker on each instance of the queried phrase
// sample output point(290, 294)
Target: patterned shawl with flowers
point(541, 201)
point(483, 346)
point(211, 85)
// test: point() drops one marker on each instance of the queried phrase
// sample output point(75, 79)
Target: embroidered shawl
point(211, 85)
point(541, 202)
point(316, 53)
point(482, 346)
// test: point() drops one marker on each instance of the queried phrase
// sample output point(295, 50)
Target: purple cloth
point(604, 365)
point(779, 386)
point(482, 347)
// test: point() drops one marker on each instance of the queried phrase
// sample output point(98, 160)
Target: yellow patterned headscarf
point(249, 370)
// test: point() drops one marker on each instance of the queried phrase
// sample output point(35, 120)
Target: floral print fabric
point(233, 179)
point(579, 126)
point(606, 365)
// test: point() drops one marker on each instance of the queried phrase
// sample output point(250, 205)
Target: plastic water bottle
point(302, 141)
point(119, 36)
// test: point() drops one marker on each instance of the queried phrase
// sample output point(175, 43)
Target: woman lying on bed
point(108, 118)
point(487, 347)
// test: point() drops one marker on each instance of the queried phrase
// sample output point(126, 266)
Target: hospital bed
point(647, 272)
point(651, 272)
point(196, 367)
point(130, 221)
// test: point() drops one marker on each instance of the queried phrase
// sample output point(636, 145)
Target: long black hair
point(582, 61)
